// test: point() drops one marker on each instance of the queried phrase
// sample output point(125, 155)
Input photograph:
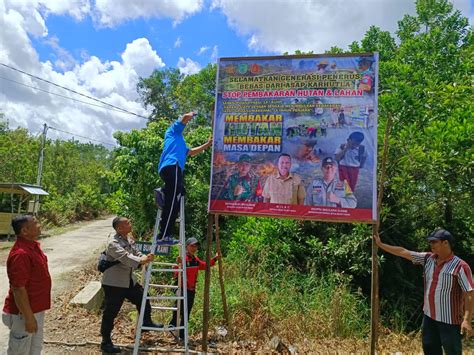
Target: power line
point(73, 91)
point(77, 135)
point(63, 96)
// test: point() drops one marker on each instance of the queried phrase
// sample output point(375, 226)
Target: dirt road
point(66, 252)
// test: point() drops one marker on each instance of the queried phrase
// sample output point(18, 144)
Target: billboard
point(296, 136)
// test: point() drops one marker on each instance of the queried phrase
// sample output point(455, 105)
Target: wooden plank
point(374, 292)
point(221, 275)
point(207, 284)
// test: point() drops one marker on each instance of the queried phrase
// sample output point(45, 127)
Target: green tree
point(159, 92)
point(197, 92)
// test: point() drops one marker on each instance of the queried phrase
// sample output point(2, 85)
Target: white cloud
point(313, 25)
point(74, 8)
point(178, 42)
point(202, 50)
point(188, 66)
point(111, 81)
point(141, 57)
point(109, 13)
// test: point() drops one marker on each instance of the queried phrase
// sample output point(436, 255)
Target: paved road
point(66, 252)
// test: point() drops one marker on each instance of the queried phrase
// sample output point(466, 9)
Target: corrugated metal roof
point(34, 190)
point(19, 188)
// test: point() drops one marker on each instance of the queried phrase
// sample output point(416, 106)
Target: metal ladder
point(181, 294)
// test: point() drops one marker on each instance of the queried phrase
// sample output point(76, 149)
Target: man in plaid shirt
point(448, 296)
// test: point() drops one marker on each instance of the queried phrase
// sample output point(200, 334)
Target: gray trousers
point(20, 341)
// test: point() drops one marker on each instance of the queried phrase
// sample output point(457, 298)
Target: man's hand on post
point(377, 239)
point(209, 141)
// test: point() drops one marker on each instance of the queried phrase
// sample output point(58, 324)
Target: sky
point(100, 48)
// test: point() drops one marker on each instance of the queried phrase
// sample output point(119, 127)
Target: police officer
point(328, 190)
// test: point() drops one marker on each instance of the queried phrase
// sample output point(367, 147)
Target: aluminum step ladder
point(180, 289)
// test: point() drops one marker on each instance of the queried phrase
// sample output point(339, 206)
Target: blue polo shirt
point(174, 149)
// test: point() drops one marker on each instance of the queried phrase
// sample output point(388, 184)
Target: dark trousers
point(439, 336)
point(190, 295)
point(172, 175)
point(114, 297)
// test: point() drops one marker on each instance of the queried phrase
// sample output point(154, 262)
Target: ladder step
point(161, 308)
point(164, 264)
point(164, 329)
point(167, 244)
point(174, 328)
point(164, 286)
point(166, 270)
point(157, 298)
point(173, 287)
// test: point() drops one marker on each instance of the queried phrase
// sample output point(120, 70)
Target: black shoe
point(110, 348)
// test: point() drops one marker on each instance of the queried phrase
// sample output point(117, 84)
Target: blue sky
point(102, 47)
point(193, 34)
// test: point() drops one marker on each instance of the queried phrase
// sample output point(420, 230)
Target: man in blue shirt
point(171, 167)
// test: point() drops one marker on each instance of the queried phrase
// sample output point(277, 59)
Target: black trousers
point(172, 175)
point(439, 336)
point(114, 297)
point(190, 295)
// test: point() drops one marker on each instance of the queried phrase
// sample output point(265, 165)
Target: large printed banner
point(296, 136)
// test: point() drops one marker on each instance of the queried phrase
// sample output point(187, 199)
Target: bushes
point(288, 304)
point(84, 203)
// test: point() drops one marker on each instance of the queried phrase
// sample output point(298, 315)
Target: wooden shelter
point(15, 199)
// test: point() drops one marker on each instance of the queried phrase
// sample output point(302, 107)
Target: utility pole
point(41, 156)
point(40, 166)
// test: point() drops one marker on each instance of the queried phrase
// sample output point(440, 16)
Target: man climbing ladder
point(170, 168)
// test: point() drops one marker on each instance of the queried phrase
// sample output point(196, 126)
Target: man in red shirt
point(448, 299)
point(193, 265)
point(29, 295)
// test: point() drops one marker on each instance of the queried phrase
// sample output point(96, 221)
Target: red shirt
point(27, 266)
point(193, 265)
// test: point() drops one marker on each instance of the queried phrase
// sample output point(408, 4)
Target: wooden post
point(374, 301)
point(207, 284)
point(374, 297)
point(221, 274)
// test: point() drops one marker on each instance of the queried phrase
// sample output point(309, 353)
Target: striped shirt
point(444, 286)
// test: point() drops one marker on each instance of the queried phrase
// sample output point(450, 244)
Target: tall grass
point(290, 305)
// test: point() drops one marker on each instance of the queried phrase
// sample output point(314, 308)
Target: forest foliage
point(76, 175)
